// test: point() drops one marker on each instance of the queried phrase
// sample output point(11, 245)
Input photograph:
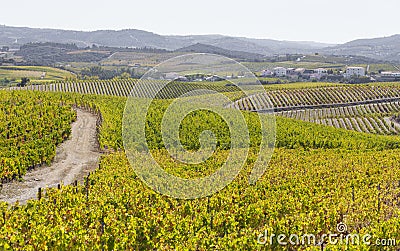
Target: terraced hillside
point(362, 108)
point(371, 118)
point(311, 98)
point(123, 88)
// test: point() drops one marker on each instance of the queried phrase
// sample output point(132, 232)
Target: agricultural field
point(141, 58)
point(318, 176)
point(372, 118)
point(362, 108)
point(31, 127)
point(123, 88)
point(34, 73)
point(260, 66)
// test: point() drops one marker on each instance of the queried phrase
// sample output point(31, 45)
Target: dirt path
point(74, 159)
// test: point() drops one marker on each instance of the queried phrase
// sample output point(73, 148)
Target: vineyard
point(361, 108)
point(31, 126)
point(318, 97)
point(318, 176)
point(123, 88)
point(368, 109)
point(372, 118)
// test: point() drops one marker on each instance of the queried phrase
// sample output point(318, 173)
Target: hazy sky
point(317, 20)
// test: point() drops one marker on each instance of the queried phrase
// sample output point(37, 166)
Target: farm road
point(75, 158)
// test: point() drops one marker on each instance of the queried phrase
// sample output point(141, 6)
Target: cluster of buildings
point(310, 74)
point(196, 78)
point(355, 74)
point(389, 76)
point(349, 75)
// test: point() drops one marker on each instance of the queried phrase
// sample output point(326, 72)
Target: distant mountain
point(205, 48)
point(18, 36)
point(228, 43)
point(385, 48)
point(50, 53)
point(252, 45)
point(288, 46)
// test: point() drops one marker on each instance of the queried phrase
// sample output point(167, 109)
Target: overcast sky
point(335, 21)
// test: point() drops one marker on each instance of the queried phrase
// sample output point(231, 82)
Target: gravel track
point(75, 158)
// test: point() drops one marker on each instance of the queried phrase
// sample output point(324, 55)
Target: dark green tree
point(24, 82)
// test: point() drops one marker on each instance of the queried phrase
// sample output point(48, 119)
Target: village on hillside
point(350, 75)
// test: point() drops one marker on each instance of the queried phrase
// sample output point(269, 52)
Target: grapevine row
point(124, 88)
point(372, 118)
point(316, 96)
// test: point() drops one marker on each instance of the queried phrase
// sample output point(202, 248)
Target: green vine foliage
point(318, 176)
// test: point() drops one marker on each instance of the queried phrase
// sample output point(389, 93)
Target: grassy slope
point(33, 72)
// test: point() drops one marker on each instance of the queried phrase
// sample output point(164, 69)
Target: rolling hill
point(18, 36)
point(386, 48)
point(205, 48)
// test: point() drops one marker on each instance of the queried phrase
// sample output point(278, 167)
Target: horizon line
point(195, 34)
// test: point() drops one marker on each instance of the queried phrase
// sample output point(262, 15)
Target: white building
point(321, 71)
point(299, 71)
point(214, 78)
point(280, 71)
point(390, 74)
point(355, 71)
point(290, 71)
point(171, 75)
point(266, 73)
